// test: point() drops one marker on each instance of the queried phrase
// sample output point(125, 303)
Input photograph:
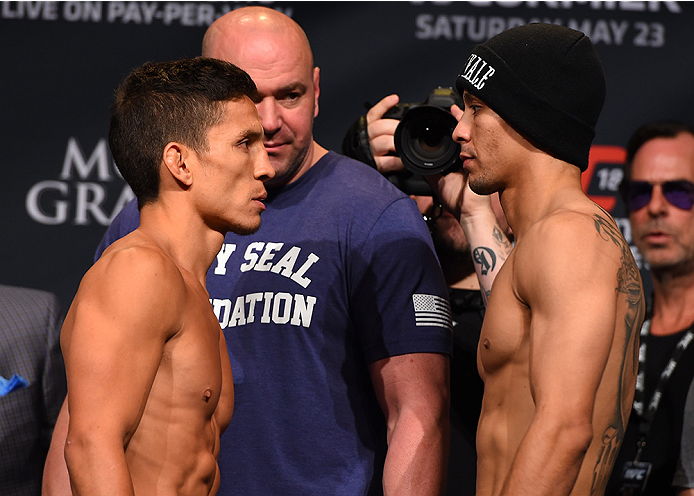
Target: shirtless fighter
point(149, 380)
point(558, 346)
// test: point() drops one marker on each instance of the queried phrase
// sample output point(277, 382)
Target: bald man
point(335, 312)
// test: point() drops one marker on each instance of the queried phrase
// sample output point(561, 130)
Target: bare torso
point(172, 448)
point(505, 356)
point(175, 447)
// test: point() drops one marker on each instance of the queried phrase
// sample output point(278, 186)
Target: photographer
point(372, 139)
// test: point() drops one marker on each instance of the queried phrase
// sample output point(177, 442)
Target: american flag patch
point(431, 310)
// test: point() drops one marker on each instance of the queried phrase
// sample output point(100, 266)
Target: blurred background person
point(658, 190)
point(32, 387)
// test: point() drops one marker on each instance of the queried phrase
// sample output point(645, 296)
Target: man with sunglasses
point(658, 190)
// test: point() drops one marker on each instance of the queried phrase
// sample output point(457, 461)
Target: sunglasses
point(680, 194)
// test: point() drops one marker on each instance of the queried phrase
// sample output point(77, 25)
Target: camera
point(423, 140)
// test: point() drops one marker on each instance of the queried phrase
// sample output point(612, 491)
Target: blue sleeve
point(127, 220)
point(401, 298)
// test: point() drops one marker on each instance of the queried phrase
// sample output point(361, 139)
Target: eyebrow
point(468, 97)
point(250, 133)
point(293, 87)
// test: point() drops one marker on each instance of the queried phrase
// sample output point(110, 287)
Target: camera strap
point(635, 474)
point(647, 413)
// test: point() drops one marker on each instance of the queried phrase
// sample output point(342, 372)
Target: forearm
point(489, 247)
point(547, 461)
point(95, 468)
point(686, 492)
point(417, 456)
point(56, 481)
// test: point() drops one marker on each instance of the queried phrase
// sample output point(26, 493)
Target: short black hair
point(169, 101)
point(644, 134)
point(653, 130)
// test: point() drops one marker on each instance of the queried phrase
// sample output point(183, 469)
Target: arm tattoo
point(629, 284)
point(485, 294)
point(502, 241)
point(485, 258)
point(498, 235)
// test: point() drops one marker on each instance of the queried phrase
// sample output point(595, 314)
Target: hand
point(381, 135)
point(453, 190)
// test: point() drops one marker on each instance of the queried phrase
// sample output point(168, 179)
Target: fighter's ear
point(175, 158)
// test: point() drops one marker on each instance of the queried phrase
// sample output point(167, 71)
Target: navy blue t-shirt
point(342, 273)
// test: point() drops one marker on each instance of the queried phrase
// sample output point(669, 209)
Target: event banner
point(63, 61)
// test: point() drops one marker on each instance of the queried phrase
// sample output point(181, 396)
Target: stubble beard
point(294, 161)
point(482, 184)
point(674, 257)
point(681, 262)
point(246, 230)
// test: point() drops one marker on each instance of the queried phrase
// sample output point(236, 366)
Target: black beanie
point(546, 82)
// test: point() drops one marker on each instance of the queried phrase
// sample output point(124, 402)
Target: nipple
point(207, 395)
point(486, 344)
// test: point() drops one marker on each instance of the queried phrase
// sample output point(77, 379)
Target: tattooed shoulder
point(607, 229)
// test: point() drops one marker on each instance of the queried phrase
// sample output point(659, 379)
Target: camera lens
point(429, 139)
point(423, 140)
